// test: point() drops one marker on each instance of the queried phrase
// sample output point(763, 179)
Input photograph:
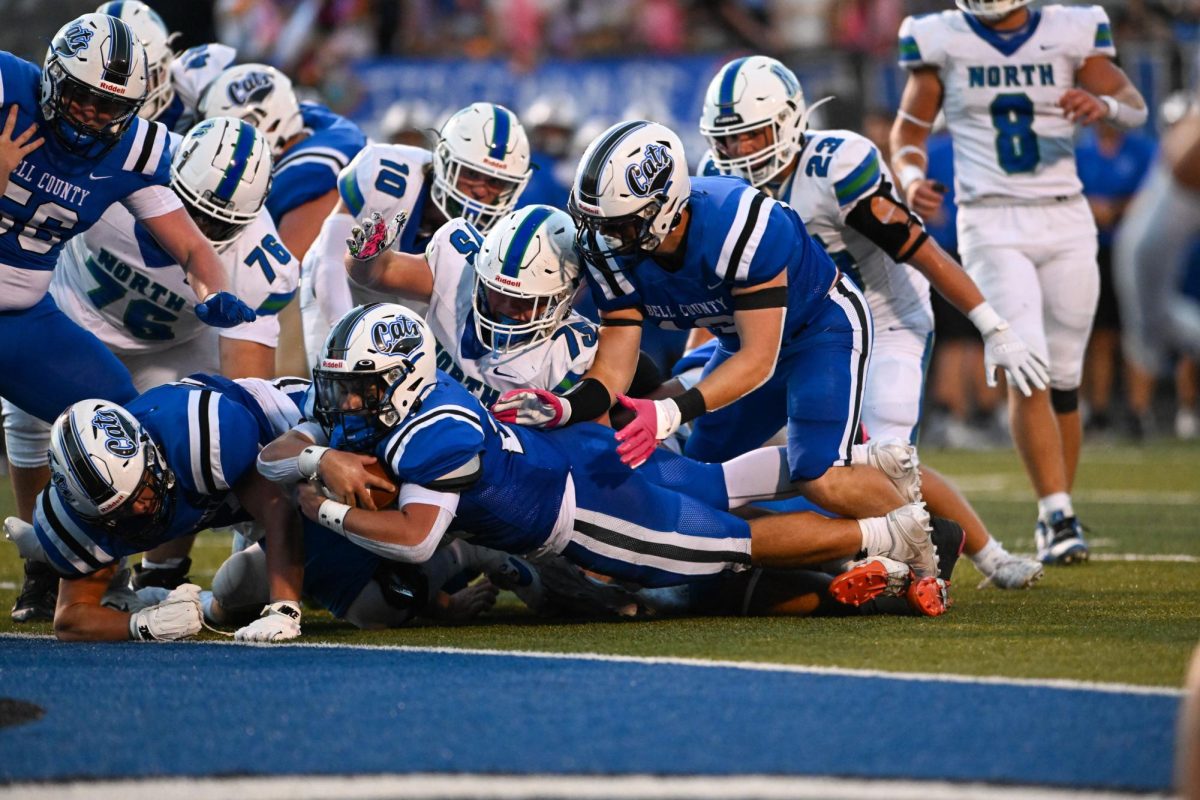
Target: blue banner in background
point(665, 89)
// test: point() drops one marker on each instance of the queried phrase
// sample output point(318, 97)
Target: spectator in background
point(551, 123)
point(1111, 164)
point(412, 123)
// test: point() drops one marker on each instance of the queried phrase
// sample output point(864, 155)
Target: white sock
point(876, 539)
point(858, 454)
point(758, 475)
point(1052, 503)
point(989, 559)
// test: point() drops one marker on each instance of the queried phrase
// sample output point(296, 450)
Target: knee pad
point(1064, 401)
point(241, 582)
point(27, 436)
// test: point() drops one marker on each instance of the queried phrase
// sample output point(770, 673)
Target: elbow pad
point(889, 224)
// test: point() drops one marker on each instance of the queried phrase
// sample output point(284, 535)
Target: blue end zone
point(137, 710)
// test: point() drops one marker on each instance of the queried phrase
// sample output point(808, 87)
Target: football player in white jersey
point(499, 307)
point(175, 82)
point(1013, 84)
point(754, 119)
point(117, 282)
point(478, 171)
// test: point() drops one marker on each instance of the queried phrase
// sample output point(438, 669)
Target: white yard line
point(510, 787)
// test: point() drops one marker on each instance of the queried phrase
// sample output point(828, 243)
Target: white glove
point(1003, 348)
point(278, 623)
point(20, 533)
point(535, 408)
point(372, 235)
point(176, 617)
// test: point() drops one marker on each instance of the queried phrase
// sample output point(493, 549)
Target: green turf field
point(1131, 615)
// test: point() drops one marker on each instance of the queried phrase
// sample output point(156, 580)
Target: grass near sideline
point(1119, 620)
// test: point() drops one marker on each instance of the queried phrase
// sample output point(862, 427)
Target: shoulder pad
point(147, 142)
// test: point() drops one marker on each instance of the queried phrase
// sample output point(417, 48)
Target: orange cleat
point(885, 577)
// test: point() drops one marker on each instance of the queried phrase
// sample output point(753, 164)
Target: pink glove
point(535, 408)
point(653, 421)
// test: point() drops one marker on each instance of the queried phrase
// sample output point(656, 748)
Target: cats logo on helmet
point(119, 442)
point(395, 335)
point(253, 88)
point(73, 40)
point(652, 174)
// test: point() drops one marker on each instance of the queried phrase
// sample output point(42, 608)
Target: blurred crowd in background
point(849, 44)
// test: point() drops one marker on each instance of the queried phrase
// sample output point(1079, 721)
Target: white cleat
point(910, 530)
point(1014, 573)
point(898, 460)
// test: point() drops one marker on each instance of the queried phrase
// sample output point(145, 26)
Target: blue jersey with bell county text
point(737, 237)
point(309, 169)
point(54, 195)
point(209, 430)
point(513, 503)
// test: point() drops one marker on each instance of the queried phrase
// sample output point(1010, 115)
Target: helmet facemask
point(355, 408)
point(504, 333)
point(762, 165)
point(991, 10)
point(448, 196)
point(112, 114)
point(601, 238)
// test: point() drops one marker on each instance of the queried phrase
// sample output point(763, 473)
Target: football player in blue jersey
point(92, 151)
point(795, 333)
point(379, 397)
point(310, 145)
point(173, 461)
point(175, 82)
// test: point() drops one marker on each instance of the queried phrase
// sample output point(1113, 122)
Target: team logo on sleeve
point(73, 40)
point(398, 335)
point(253, 88)
point(651, 175)
point(119, 441)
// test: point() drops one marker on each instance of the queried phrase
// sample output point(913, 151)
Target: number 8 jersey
point(1001, 95)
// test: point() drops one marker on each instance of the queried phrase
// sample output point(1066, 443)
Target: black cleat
point(948, 538)
point(39, 595)
point(165, 577)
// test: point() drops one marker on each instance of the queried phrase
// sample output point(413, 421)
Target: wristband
point(985, 318)
point(287, 608)
point(691, 405)
point(1123, 116)
point(310, 460)
point(909, 173)
point(587, 400)
point(332, 515)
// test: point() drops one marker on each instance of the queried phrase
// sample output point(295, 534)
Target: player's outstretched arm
point(269, 506)
point(79, 616)
point(919, 106)
point(409, 533)
point(371, 262)
point(182, 240)
point(242, 358)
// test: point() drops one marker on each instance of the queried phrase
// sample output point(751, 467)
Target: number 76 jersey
point(116, 282)
point(1001, 95)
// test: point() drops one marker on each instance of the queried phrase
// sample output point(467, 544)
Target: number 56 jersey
point(119, 284)
point(1011, 139)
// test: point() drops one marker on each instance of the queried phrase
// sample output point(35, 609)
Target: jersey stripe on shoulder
point(69, 539)
point(149, 139)
point(910, 51)
point(860, 180)
point(331, 157)
point(737, 251)
point(608, 276)
point(422, 421)
point(204, 441)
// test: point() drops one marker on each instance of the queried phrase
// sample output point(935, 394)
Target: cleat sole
point(860, 584)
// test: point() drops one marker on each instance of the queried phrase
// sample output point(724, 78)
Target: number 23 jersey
point(1001, 95)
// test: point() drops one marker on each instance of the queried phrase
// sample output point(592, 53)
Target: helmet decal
point(500, 132)
point(73, 39)
point(119, 60)
point(653, 174)
point(119, 441)
point(514, 256)
point(601, 152)
point(253, 88)
point(237, 164)
point(725, 98)
point(395, 335)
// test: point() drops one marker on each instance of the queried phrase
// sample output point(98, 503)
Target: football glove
point(224, 310)
point(1004, 349)
point(373, 235)
point(278, 623)
point(535, 408)
point(653, 421)
point(176, 617)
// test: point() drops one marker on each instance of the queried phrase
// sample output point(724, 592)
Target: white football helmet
point(102, 461)
point(527, 265)
point(222, 172)
point(631, 185)
point(261, 95)
point(991, 9)
point(752, 94)
point(377, 365)
point(489, 140)
point(96, 66)
point(152, 32)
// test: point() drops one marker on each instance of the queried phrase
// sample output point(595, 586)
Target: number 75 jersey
point(1001, 95)
point(119, 284)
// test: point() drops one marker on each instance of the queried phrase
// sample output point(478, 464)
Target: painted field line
point(508, 787)
point(749, 666)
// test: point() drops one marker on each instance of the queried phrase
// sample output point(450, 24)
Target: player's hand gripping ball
point(382, 498)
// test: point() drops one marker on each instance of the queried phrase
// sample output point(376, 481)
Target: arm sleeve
point(152, 201)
